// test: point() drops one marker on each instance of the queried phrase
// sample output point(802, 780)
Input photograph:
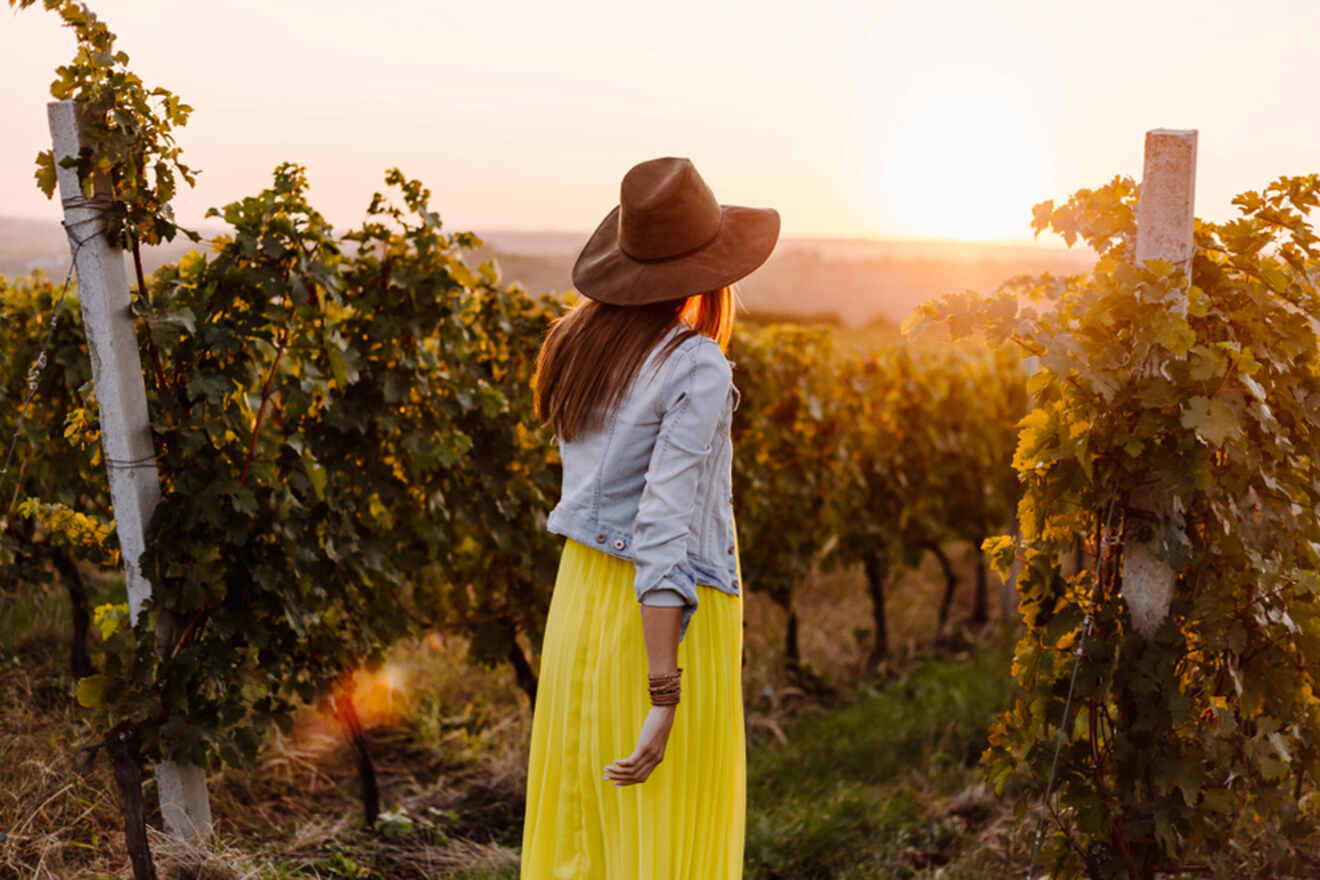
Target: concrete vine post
point(125, 430)
point(1164, 231)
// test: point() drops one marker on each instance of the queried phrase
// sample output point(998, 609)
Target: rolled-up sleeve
point(692, 402)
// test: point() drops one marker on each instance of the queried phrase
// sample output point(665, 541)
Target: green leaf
point(337, 366)
point(315, 474)
point(182, 318)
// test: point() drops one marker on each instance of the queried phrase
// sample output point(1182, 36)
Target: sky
point(933, 119)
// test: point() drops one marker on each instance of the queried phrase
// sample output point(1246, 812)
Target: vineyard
point(349, 470)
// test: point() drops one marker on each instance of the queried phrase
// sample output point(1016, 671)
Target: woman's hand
point(650, 748)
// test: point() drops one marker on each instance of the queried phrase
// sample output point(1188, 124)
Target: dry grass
point(58, 810)
point(454, 742)
point(449, 752)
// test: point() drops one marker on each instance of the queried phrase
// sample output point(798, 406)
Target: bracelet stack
point(665, 687)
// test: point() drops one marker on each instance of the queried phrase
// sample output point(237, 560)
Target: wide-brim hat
point(668, 238)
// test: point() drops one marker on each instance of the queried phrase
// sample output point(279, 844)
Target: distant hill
point(32, 244)
point(858, 280)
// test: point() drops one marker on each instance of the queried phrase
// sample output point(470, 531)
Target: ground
point(874, 776)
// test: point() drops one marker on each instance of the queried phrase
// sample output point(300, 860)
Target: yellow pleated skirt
point(687, 821)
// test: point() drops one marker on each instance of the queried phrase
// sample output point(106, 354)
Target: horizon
point(1047, 242)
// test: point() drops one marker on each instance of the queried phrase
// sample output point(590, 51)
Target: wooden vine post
point(125, 431)
point(1164, 231)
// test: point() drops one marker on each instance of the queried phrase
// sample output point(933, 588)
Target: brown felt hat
point(668, 238)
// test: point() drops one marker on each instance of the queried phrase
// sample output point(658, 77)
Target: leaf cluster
point(51, 433)
point(127, 131)
point(347, 454)
point(1192, 748)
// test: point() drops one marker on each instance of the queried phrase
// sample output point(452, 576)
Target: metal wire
point(97, 203)
point(128, 464)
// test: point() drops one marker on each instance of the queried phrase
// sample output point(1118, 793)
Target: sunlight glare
point(961, 155)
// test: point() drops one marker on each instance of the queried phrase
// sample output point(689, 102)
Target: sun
point(959, 155)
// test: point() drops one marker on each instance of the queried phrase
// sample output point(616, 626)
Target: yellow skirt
point(687, 821)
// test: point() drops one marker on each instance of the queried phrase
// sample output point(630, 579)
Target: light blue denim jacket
point(653, 484)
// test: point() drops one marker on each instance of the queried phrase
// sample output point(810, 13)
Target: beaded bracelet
point(665, 688)
point(669, 698)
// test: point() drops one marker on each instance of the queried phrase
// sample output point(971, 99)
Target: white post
point(1164, 231)
point(1168, 198)
point(125, 433)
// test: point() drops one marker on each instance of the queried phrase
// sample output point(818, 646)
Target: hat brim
point(605, 273)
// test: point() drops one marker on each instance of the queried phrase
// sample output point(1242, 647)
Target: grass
point(887, 787)
point(872, 778)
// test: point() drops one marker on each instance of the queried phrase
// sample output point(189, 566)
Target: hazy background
point(857, 281)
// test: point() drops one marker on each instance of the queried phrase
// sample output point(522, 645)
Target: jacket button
point(600, 539)
point(619, 544)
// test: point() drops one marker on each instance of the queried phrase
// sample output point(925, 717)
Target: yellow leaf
point(191, 263)
point(108, 617)
point(1245, 361)
point(1159, 267)
point(915, 320)
point(1036, 432)
point(1275, 277)
point(1198, 305)
point(1176, 336)
point(91, 690)
point(1038, 380)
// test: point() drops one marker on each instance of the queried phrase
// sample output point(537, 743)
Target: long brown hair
point(593, 352)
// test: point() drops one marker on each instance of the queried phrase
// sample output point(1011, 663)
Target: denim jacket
point(653, 485)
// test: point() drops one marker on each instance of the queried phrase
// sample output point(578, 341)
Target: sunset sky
point(930, 119)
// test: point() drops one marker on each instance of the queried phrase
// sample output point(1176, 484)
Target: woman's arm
point(660, 627)
point(690, 406)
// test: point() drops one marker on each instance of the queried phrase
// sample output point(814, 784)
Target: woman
point(638, 758)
